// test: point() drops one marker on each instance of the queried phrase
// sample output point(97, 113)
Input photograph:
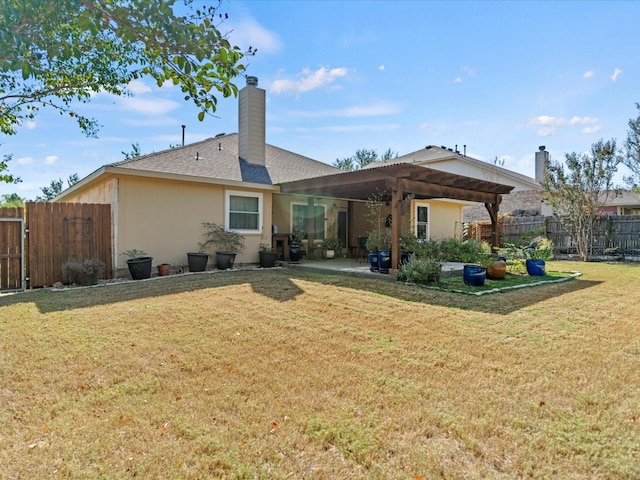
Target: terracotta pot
point(497, 270)
point(164, 269)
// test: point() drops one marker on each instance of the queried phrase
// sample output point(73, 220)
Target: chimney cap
point(252, 81)
point(541, 148)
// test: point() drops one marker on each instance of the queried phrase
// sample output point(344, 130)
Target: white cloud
point(24, 160)
point(588, 74)
point(249, 33)
point(457, 80)
point(138, 86)
point(308, 80)
point(592, 130)
point(354, 128)
point(547, 125)
point(469, 71)
point(29, 124)
point(50, 159)
point(148, 105)
point(373, 110)
point(616, 74)
point(583, 120)
point(546, 121)
point(381, 67)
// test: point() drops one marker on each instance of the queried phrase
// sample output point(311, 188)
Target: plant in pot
point(83, 273)
point(267, 256)
point(332, 247)
point(139, 264)
point(536, 254)
point(228, 244)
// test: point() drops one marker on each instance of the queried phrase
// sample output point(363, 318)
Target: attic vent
point(220, 135)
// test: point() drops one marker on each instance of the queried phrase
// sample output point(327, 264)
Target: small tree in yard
point(632, 152)
point(579, 192)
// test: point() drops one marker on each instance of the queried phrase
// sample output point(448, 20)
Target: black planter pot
point(294, 253)
point(140, 268)
point(224, 260)
point(267, 259)
point(197, 261)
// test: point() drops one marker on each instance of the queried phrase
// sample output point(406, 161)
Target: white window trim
point(227, 212)
point(415, 217)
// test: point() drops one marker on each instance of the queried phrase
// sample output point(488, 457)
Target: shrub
point(419, 270)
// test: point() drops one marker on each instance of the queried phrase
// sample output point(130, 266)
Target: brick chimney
point(251, 122)
point(542, 162)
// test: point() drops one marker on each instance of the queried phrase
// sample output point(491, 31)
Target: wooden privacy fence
point(610, 232)
point(35, 242)
point(60, 232)
point(11, 249)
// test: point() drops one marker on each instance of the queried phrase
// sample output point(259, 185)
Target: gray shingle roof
point(217, 158)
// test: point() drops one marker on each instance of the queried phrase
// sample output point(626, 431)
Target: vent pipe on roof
point(183, 127)
point(465, 150)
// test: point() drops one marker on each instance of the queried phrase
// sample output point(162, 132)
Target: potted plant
point(331, 247)
point(83, 273)
point(197, 261)
point(536, 254)
point(267, 256)
point(164, 269)
point(229, 244)
point(139, 264)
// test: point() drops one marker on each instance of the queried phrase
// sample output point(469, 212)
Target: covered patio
point(399, 184)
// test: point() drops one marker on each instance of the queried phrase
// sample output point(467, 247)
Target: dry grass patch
point(293, 374)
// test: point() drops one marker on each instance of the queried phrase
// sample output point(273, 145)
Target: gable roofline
point(433, 154)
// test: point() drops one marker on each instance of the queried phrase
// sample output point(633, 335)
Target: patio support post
point(311, 210)
point(396, 221)
point(493, 209)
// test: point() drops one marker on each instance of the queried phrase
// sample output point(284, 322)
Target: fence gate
point(12, 257)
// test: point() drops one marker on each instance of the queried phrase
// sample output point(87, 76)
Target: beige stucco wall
point(164, 218)
point(445, 218)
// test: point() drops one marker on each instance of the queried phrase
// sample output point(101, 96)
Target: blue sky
point(501, 78)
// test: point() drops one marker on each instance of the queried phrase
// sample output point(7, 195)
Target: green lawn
point(283, 373)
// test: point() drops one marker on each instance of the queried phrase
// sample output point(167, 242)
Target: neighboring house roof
point(437, 157)
point(217, 158)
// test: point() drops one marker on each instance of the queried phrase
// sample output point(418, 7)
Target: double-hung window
point(244, 211)
point(421, 220)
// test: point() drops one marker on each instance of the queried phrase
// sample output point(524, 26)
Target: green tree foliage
point(56, 187)
point(632, 151)
point(135, 152)
point(6, 177)
point(578, 192)
point(11, 200)
point(362, 158)
point(56, 53)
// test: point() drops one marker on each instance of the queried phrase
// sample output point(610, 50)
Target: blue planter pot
point(474, 275)
point(384, 261)
point(536, 268)
point(373, 262)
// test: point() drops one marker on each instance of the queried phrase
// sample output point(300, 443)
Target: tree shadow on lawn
point(279, 284)
point(267, 282)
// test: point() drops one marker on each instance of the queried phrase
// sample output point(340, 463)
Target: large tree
point(362, 158)
point(56, 187)
point(632, 151)
point(578, 192)
point(55, 53)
